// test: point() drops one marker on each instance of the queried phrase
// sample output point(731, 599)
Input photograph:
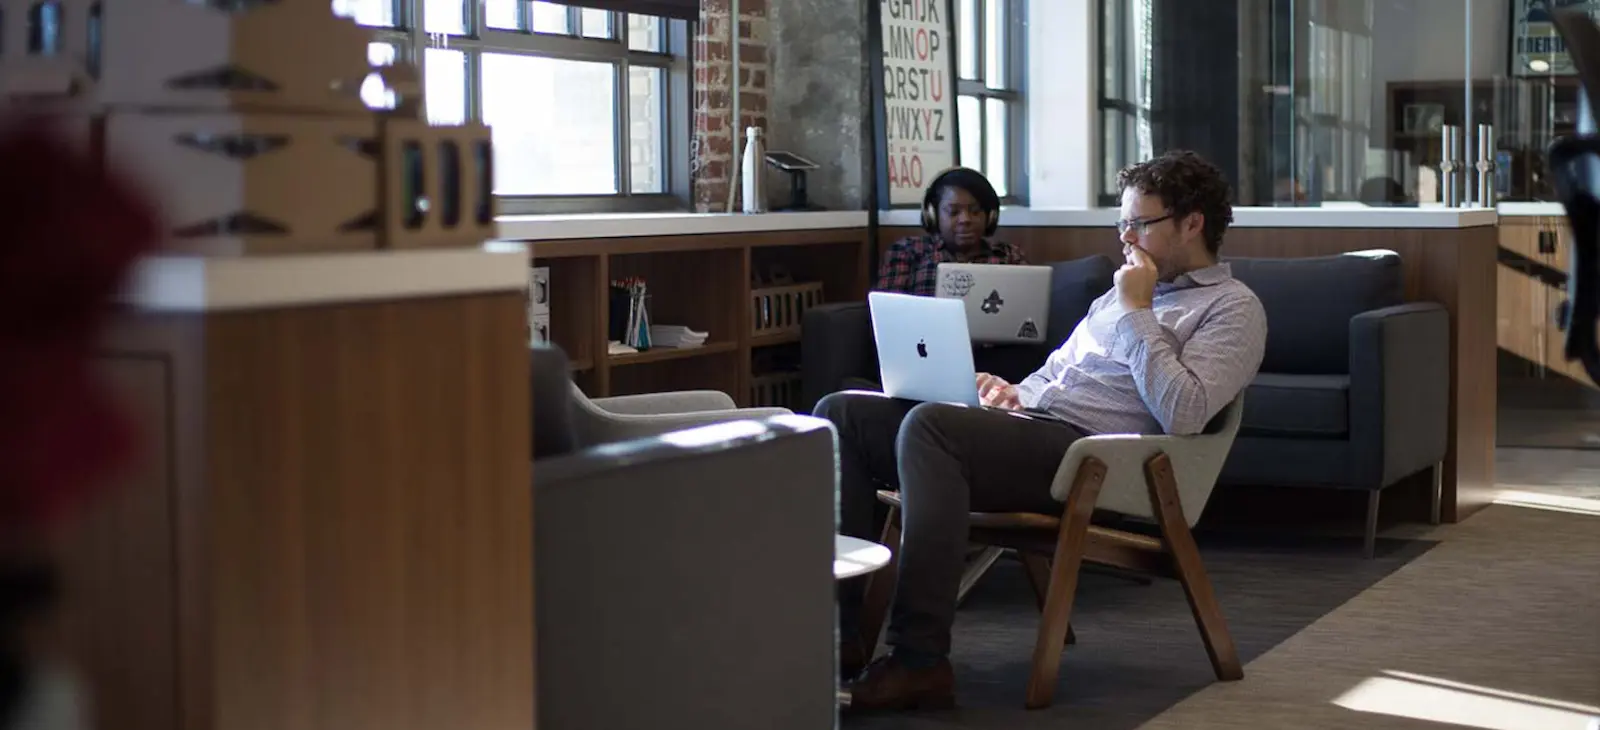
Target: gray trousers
point(946, 460)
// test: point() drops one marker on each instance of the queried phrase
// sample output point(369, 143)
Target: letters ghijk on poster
point(918, 95)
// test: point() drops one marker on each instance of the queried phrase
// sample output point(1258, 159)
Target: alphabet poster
point(917, 89)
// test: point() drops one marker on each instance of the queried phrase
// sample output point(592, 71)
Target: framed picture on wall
point(1422, 119)
point(913, 56)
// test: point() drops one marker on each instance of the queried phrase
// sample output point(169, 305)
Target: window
point(1125, 90)
point(588, 107)
point(989, 69)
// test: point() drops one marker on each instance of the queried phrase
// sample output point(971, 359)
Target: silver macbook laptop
point(924, 352)
point(1003, 302)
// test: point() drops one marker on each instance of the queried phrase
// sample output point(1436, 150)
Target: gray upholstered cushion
point(551, 389)
point(1074, 285)
point(1297, 406)
point(1309, 303)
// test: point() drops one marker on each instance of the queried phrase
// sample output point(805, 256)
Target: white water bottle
point(755, 155)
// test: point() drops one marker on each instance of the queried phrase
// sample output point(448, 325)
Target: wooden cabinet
point(1534, 260)
point(330, 527)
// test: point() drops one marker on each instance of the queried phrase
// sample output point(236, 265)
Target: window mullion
point(980, 13)
point(474, 85)
point(622, 122)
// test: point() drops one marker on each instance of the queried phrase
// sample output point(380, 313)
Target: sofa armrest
point(680, 401)
point(595, 426)
point(690, 554)
point(1399, 392)
point(836, 347)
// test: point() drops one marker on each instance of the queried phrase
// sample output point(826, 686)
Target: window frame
point(410, 40)
point(1114, 157)
point(1015, 41)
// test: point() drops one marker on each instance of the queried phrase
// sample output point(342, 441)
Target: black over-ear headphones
point(975, 183)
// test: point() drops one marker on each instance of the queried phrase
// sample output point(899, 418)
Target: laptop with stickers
point(1004, 302)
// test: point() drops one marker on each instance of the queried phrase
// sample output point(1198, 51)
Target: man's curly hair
point(1186, 183)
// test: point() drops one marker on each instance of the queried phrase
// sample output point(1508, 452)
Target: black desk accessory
point(796, 166)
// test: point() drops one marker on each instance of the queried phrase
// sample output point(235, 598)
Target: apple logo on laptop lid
point(922, 348)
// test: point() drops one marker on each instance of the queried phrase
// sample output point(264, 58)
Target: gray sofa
point(682, 580)
point(1353, 392)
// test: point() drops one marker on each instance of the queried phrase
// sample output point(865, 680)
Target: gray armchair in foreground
point(623, 417)
point(1354, 391)
point(682, 579)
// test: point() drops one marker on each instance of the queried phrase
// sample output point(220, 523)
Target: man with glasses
point(1173, 342)
point(960, 212)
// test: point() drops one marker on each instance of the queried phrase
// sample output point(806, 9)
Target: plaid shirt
point(911, 265)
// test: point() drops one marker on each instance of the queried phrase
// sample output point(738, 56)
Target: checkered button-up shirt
point(911, 265)
point(1167, 369)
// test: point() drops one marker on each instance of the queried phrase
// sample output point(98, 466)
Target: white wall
point(1062, 99)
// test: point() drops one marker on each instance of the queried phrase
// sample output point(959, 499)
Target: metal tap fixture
point(1450, 167)
point(1485, 166)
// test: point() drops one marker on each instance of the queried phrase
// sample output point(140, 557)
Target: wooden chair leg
point(1369, 539)
point(1191, 572)
point(1039, 579)
point(1057, 614)
point(880, 589)
point(1437, 495)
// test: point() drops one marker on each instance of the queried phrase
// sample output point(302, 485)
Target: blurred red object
point(69, 234)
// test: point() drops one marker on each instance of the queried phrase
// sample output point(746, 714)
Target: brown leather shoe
point(888, 684)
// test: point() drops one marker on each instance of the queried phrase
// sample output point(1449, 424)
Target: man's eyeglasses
point(1139, 225)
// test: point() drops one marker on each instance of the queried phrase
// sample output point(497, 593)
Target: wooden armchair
point(1166, 480)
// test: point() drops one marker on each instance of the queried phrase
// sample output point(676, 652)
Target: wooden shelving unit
point(704, 282)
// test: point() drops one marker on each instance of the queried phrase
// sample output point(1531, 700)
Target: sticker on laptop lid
point(992, 303)
point(957, 283)
point(1028, 331)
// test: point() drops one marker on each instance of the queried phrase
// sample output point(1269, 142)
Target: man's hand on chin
point(995, 392)
point(1136, 280)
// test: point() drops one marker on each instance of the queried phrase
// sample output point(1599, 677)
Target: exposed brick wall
point(715, 134)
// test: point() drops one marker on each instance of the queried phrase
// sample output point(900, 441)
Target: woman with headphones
point(960, 212)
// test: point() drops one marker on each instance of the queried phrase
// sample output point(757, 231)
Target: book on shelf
point(673, 335)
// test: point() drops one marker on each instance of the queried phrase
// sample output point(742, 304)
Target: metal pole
point(735, 133)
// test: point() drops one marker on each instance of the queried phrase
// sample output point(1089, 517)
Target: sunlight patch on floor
point(1551, 502)
point(1431, 699)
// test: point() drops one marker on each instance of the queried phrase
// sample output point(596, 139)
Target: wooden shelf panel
point(699, 281)
point(778, 338)
point(662, 354)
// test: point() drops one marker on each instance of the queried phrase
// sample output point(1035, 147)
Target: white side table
point(853, 556)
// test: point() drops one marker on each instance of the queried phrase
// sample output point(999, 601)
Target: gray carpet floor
point(1496, 628)
point(1138, 651)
